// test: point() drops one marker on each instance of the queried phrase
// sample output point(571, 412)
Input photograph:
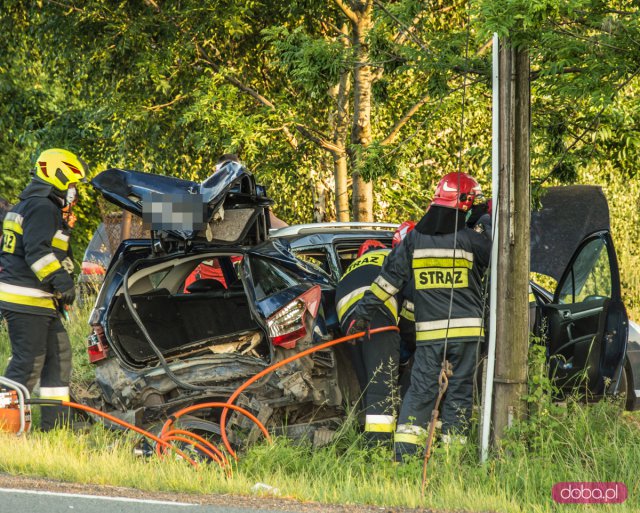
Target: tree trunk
point(319, 202)
point(361, 129)
point(339, 123)
point(341, 174)
point(362, 199)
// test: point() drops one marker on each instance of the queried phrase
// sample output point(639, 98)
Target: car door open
point(586, 325)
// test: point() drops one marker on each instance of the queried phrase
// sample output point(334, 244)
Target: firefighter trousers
point(420, 399)
point(377, 359)
point(40, 349)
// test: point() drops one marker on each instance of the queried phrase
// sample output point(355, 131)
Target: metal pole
point(495, 169)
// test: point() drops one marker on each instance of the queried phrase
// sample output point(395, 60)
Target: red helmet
point(368, 245)
point(402, 232)
point(457, 190)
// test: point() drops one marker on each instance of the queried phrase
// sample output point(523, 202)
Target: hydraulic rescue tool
point(15, 412)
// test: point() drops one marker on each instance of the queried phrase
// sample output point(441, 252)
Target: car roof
point(354, 228)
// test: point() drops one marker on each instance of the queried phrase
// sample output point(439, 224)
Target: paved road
point(13, 500)
point(20, 494)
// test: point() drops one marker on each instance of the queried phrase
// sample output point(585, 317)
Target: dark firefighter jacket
point(438, 269)
point(357, 279)
point(35, 241)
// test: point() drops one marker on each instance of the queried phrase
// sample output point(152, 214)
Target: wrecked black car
point(187, 316)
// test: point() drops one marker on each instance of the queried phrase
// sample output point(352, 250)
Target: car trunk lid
point(228, 208)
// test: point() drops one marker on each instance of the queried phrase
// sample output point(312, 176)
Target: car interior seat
point(205, 285)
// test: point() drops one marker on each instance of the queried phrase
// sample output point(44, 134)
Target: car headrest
point(205, 285)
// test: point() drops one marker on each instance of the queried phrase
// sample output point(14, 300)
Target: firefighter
point(375, 361)
point(448, 262)
point(406, 319)
point(36, 279)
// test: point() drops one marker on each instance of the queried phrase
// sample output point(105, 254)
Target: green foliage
point(313, 64)
point(544, 415)
point(131, 85)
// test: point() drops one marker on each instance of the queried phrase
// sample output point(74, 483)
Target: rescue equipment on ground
point(15, 412)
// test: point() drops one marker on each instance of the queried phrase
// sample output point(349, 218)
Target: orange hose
point(202, 406)
point(202, 440)
point(229, 404)
point(241, 388)
point(129, 426)
point(201, 443)
point(196, 445)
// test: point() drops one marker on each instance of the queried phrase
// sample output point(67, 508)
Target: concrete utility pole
point(513, 224)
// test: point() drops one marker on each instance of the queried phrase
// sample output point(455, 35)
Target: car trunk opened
point(227, 208)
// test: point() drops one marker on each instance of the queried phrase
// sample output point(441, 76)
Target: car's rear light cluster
point(288, 325)
point(97, 348)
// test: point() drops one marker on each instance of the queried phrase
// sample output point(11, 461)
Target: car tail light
point(91, 268)
point(97, 348)
point(288, 325)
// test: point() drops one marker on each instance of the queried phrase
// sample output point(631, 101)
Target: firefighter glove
point(356, 326)
point(66, 297)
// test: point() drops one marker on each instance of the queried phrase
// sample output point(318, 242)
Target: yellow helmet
point(60, 168)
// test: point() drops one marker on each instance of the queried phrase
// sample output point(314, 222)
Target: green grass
point(572, 443)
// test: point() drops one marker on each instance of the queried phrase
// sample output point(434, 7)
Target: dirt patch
point(632, 418)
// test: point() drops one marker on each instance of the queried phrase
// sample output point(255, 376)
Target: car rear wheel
point(201, 427)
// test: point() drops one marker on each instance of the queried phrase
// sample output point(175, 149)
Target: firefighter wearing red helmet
point(448, 261)
point(376, 361)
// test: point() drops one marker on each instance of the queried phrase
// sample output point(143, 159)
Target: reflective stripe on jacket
point(438, 270)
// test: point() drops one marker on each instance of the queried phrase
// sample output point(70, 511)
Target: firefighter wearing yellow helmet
point(36, 279)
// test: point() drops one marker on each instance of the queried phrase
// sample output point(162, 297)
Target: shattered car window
point(318, 259)
point(346, 255)
point(270, 278)
point(590, 275)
